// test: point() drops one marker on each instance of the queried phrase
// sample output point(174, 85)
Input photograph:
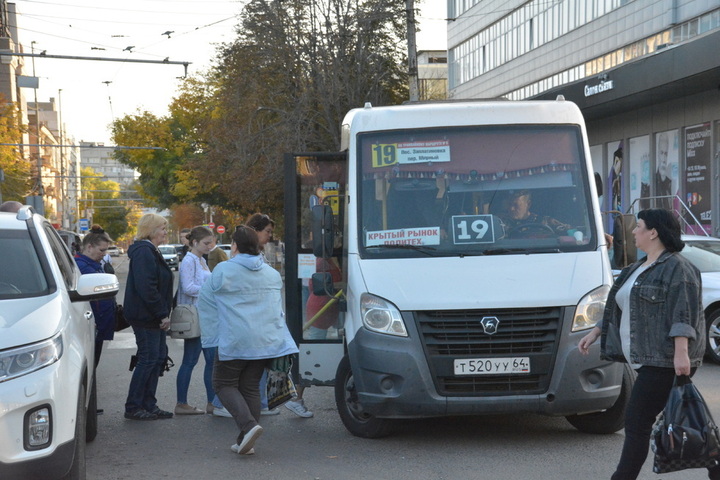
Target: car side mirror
point(598, 184)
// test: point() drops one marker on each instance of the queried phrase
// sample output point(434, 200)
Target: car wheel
point(91, 422)
point(612, 419)
point(77, 469)
point(712, 321)
point(356, 420)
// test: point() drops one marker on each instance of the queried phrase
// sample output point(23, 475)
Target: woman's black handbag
point(120, 321)
point(685, 435)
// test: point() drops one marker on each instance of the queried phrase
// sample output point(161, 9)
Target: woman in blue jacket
point(241, 313)
point(94, 246)
point(148, 302)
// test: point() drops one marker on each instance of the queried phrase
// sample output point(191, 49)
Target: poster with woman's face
point(667, 154)
point(639, 171)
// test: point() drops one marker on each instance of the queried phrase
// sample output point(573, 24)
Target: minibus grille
point(459, 334)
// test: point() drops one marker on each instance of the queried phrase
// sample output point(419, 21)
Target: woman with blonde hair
point(148, 302)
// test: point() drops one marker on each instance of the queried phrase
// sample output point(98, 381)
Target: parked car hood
point(29, 320)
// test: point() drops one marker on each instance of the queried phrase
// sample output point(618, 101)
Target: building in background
point(646, 75)
point(432, 74)
point(100, 158)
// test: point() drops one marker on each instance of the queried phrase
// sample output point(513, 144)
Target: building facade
point(646, 75)
point(432, 74)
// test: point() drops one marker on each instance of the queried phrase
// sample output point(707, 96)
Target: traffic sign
point(220, 229)
point(84, 225)
point(211, 226)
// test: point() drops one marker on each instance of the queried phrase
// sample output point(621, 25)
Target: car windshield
point(704, 254)
point(169, 250)
point(474, 191)
point(21, 273)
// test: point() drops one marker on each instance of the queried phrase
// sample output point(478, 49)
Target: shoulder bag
point(184, 322)
point(280, 387)
point(685, 435)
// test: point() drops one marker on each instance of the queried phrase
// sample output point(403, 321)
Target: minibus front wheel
point(356, 420)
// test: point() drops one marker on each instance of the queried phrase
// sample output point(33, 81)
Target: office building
point(646, 75)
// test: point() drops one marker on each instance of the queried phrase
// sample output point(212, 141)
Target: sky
point(91, 94)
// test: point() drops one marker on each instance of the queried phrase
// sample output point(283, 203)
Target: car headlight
point(381, 316)
point(590, 309)
point(17, 362)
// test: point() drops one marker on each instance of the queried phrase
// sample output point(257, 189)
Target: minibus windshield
point(485, 190)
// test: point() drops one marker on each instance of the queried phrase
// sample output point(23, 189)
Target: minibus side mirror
point(322, 231)
point(598, 184)
point(322, 283)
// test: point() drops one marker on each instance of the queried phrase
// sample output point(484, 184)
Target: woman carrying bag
point(194, 272)
point(654, 321)
point(241, 313)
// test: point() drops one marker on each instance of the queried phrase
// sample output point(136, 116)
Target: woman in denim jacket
point(654, 321)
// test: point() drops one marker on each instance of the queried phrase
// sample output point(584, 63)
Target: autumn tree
point(287, 81)
point(17, 171)
point(284, 84)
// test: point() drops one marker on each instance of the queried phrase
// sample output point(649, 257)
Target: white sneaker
point(298, 408)
point(274, 411)
point(248, 440)
point(236, 449)
point(221, 412)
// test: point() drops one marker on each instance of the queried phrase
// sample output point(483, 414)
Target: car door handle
point(88, 315)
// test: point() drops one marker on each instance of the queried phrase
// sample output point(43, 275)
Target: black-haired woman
point(654, 321)
point(94, 248)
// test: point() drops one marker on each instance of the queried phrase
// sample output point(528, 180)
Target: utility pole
point(412, 51)
point(40, 204)
point(63, 178)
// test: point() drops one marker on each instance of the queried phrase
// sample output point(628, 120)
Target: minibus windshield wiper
point(426, 249)
point(524, 251)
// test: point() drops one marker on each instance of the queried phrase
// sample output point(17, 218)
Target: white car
point(47, 346)
point(704, 253)
point(226, 248)
point(170, 255)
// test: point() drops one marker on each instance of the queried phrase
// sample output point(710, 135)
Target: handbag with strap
point(685, 435)
point(121, 322)
point(280, 387)
point(184, 322)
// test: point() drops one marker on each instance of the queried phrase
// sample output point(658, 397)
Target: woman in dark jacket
point(94, 247)
point(654, 321)
point(148, 302)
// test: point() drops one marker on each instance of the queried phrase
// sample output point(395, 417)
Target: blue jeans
point(151, 354)
point(191, 355)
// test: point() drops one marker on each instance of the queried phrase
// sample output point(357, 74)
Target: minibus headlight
point(589, 310)
point(381, 316)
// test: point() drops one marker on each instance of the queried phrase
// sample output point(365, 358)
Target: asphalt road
point(319, 448)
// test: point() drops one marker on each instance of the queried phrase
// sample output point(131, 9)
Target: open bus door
point(315, 192)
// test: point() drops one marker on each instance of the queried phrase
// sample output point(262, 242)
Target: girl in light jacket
point(241, 313)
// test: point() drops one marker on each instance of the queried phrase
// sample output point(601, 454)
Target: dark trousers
point(236, 383)
point(647, 400)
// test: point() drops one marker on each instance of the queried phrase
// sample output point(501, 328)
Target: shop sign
point(601, 87)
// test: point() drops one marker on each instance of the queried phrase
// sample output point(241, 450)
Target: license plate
point(492, 366)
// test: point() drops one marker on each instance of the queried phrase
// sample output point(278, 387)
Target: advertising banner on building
point(667, 155)
point(698, 152)
point(640, 172)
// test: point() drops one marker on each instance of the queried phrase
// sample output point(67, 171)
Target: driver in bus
point(518, 215)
